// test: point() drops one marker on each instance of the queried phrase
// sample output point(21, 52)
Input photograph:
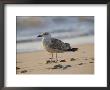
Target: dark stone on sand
point(54, 61)
point(72, 59)
point(63, 60)
point(68, 65)
point(17, 68)
point(80, 64)
point(91, 62)
point(24, 71)
point(49, 61)
point(57, 66)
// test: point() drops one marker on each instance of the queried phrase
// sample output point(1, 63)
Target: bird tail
point(73, 49)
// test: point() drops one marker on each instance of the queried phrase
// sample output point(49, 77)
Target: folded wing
point(58, 44)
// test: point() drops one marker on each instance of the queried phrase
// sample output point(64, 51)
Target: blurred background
point(75, 30)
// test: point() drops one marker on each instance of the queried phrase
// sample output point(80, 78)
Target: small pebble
point(24, 71)
point(57, 66)
point(48, 61)
point(80, 64)
point(68, 65)
point(91, 62)
point(54, 61)
point(72, 59)
point(63, 60)
point(17, 68)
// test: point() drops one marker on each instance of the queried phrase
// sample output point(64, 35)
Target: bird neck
point(47, 39)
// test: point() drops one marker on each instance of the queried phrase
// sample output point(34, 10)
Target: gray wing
point(58, 44)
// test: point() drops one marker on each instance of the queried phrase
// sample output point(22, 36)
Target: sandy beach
point(79, 62)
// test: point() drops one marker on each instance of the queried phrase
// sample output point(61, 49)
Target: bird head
point(45, 34)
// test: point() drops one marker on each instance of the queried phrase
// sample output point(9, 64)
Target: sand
point(79, 62)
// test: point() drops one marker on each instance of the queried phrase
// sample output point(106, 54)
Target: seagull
point(53, 45)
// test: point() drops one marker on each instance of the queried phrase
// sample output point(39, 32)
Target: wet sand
point(79, 62)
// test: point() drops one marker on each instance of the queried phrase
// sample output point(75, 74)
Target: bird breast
point(46, 45)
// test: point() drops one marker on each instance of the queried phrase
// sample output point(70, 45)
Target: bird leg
point(51, 57)
point(50, 61)
point(56, 57)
